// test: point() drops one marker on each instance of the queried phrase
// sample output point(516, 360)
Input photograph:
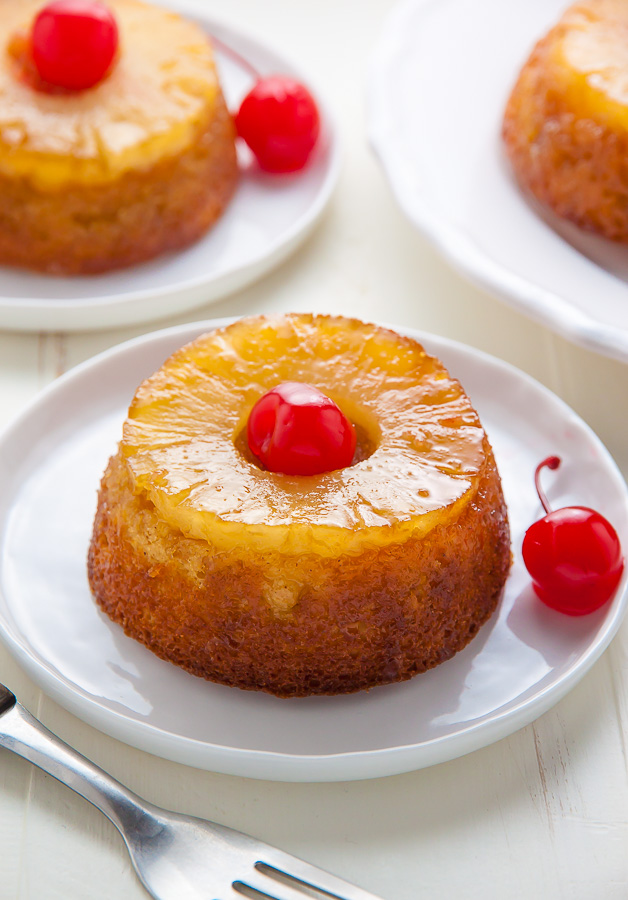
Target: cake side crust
point(309, 625)
point(86, 230)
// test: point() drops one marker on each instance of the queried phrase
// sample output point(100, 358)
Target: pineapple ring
point(566, 122)
point(160, 92)
point(183, 442)
point(314, 585)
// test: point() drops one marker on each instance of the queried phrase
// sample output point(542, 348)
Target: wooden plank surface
point(541, 814)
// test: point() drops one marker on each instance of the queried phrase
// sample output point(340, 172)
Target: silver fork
point(176, 857)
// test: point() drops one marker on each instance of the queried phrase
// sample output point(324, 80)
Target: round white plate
point(524, 660)
point(438, 86)
point(266, 220)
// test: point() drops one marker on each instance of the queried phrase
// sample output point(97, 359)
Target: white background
point(542, 814)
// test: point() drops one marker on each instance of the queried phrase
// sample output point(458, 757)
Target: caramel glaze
point(160, 88)
point(181, 438)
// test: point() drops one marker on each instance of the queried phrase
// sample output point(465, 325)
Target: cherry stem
point(552, 462)
point(236, 57)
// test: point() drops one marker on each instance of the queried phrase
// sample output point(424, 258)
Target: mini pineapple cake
point(301, 505)
point(115, 141)
point(566, 122)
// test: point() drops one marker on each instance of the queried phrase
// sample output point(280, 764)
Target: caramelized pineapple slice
point(161, 90)
point(421, 444)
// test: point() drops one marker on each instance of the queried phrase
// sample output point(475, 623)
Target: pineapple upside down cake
point(301, 505)
point(115, 141)
point(566, 123)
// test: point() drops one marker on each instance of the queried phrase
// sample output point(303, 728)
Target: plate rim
point(346, 765)
point(232, 279)
point(543, 306)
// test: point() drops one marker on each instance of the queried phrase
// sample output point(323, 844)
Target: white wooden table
point(542, 814)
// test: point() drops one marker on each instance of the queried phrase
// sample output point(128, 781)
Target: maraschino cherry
point(280, 122)
point(573, 555)
point(297, 430)
point(74, 43)
point(278, 118)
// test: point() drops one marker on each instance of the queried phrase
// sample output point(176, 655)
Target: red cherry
point(74, 43)
point(572, 554)
point(297, 430)
point(279, 121)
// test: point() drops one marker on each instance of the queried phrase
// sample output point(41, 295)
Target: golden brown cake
point(142, 163)
point(301, 585)
point(566, 122)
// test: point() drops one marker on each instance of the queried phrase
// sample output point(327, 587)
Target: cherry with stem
point(278, 118)
point(573, 554)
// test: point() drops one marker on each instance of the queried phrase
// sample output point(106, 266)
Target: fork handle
point(27, 737)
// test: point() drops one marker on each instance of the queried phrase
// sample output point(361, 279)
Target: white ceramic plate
point(438, 85)
point(524, 660)
point(266, 220)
